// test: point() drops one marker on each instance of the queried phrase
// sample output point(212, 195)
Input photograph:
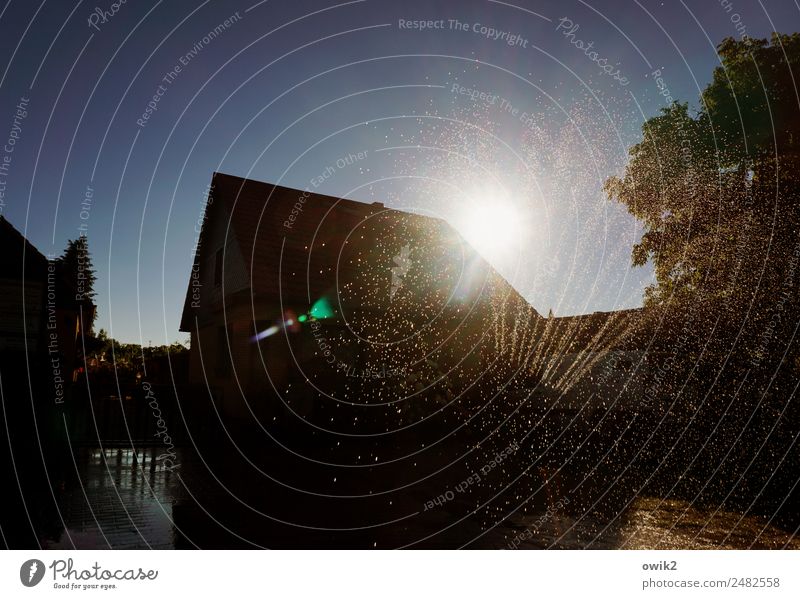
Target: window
point(218, 268)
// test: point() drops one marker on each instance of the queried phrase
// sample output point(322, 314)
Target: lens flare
point(321, 309)
point(268, 332)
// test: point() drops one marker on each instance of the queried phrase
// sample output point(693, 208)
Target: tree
point(717, 192)
point(752, 100)
point(79, 277)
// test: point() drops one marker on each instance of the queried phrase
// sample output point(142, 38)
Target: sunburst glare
point(491, 222)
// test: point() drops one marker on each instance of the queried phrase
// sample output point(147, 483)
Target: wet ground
point(125, 499)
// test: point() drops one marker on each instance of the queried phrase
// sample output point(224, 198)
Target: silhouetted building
point(40, 315)
point(597, 361)
point(303, 303)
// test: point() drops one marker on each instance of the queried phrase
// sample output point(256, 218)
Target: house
point(41, 317)
point(597, 361)
point(302, 306)
point(23, 284)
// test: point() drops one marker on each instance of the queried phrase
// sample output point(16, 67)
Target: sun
point(490, 222)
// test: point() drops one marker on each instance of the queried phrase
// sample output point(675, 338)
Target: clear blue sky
point(290, 87)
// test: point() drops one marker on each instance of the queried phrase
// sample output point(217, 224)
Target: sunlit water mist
point(531, 201)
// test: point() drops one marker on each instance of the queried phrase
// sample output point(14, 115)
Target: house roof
point(298, 246)
point(597, 330)
point(300, 235)
point(19, 255)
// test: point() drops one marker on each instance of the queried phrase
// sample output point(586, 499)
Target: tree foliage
point(717, 191)
point(78, 275)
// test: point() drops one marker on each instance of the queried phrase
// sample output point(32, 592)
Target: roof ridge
point(26, 242)
point(282, 188)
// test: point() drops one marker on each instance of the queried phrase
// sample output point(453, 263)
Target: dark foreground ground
point(502, 477)
point(125, 499)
